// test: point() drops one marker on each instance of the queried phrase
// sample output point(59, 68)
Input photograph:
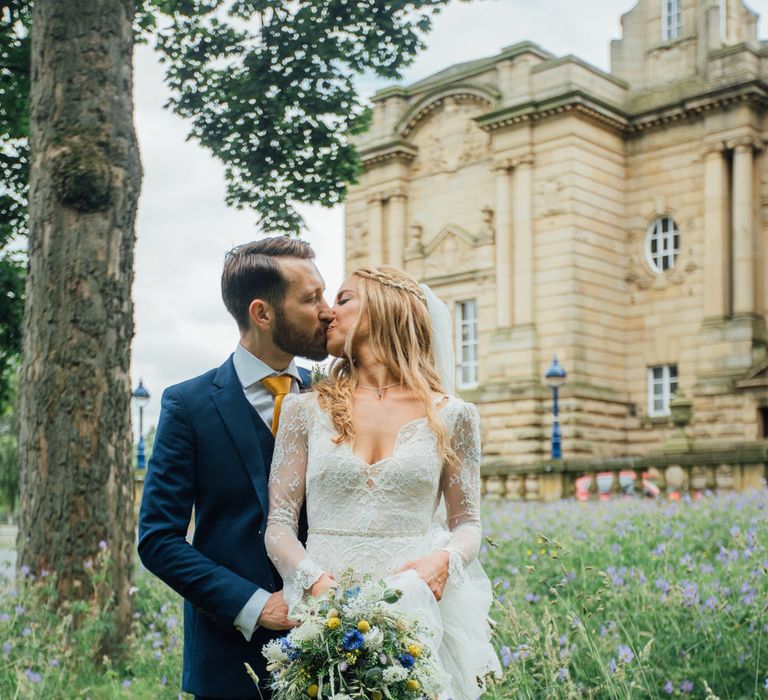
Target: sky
point(184, 228)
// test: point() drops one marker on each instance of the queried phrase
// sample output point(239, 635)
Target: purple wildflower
point(55, 663)
point(7, 646)
point(625, 654)
point(669, 687)
point(32, 677)
point(686, 686)
point(102, 545)
point(506, 656)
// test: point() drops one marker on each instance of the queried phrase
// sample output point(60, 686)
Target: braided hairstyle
point(400, 335)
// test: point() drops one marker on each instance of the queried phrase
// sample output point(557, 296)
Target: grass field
point(625, 599)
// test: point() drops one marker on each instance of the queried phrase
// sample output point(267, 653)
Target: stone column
point(504, 264)
point(716, 248)
point(743, 230)
point(522, 206)
point(375, 230)
point(397, 226)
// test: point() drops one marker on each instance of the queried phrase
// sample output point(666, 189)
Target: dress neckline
point(442, 399)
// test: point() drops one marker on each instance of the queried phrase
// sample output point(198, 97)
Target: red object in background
point(626, 483)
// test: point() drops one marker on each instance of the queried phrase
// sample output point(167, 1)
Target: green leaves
point(14, 166)
point(269, 89)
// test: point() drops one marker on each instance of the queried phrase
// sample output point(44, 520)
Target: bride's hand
point(432, 569)
point(324, 583)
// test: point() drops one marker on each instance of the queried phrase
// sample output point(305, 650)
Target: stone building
point(616, 220)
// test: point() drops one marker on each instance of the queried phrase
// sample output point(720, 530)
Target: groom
point(212, 451)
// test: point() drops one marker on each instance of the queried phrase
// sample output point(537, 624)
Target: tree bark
point(85, 176)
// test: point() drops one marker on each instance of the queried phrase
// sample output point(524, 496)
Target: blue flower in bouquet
point(291, 651)
point(406, 660)
point(352, 592)
point(352, 640)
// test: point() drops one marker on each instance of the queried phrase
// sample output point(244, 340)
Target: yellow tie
point(278, 387)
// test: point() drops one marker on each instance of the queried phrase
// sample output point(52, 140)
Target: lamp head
point(556, 375)
point(140, 395)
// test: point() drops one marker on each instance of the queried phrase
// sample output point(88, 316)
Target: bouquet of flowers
point(351, 643)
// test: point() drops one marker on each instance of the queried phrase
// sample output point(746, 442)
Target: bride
point(374, 451)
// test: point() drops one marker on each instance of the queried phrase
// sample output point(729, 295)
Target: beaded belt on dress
point(365, 533)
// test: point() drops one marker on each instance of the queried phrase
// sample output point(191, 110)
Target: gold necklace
point(378, 389)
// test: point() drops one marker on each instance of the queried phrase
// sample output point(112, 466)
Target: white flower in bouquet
point(355, 608)
point(274, 652)
point(341, 696)
point(374, 638)
point(393, 674)
point(305, 632)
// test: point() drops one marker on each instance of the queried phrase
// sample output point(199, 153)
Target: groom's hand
point(274, 614)
point(432, 569)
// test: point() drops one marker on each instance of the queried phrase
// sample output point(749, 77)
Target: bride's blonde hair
point(400, 336)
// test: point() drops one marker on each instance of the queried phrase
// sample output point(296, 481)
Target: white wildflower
point(305, 632)
point(393, 674)
point(373, 638)
point(355, 608)
point(274, 653)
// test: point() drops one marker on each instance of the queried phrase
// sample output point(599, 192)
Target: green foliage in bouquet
point(352, 643)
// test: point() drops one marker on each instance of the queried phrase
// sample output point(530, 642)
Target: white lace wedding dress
point(372, 518)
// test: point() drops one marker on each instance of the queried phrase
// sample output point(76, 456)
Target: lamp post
point(555, 378)
point(140, 398)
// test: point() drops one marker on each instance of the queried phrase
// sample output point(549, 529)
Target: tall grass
point(631, 598)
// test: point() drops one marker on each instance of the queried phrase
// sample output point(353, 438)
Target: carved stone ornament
point(449, 139)
point(549, 193)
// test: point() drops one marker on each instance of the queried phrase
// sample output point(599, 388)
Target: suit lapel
point(237, 414)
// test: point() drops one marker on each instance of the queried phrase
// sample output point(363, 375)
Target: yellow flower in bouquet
point(333, 623)
point(364, 626)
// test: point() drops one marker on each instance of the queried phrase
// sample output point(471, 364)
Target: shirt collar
point(250, 369)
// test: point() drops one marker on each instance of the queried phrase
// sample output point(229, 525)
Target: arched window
point(662, 244)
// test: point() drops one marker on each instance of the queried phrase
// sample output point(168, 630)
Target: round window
point(662, 243)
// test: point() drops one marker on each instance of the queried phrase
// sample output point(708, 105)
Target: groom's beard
point(294, 340)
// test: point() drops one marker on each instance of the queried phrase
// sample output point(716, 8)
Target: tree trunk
point(85, 176)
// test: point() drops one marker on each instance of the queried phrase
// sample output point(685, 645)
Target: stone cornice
point(582, 103)
point(755, 91)
point(572, 101)
point(391, 150)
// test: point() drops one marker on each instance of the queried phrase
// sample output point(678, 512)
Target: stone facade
point(528, 183)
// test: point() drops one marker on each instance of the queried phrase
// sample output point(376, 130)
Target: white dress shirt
point(250, 371)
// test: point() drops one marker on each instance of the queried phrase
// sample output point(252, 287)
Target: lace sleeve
point(286, 496)
point(461, 490)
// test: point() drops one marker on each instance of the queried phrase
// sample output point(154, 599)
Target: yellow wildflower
point(414, 650)
point(363, 626)
point(412, 684)
point(313, 690)
point(333, 623)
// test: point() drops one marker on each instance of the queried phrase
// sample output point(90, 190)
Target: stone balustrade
point(733, 469)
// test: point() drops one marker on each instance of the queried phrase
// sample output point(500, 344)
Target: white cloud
point(184, 228)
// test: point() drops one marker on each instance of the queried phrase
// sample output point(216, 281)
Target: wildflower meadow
point(622, 599)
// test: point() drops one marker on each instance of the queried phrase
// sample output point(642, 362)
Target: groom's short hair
point(252, 271)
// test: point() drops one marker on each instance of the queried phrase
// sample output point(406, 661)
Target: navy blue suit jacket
point(213, 452)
